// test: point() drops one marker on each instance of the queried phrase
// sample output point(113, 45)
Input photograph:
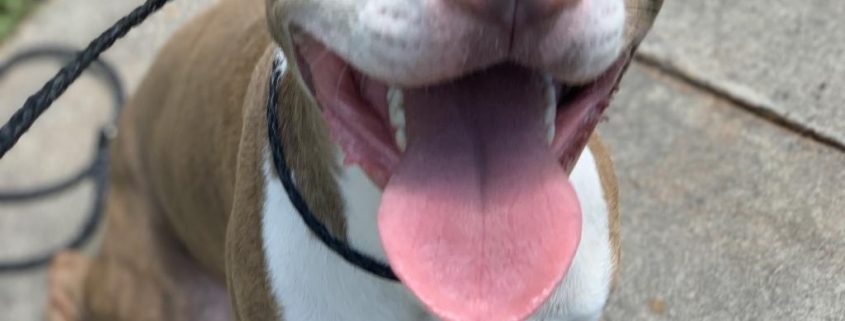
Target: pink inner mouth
point(478, 217)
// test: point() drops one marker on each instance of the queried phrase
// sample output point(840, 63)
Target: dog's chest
point(311, 283)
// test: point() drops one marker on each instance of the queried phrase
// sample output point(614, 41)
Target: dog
point(446, 144)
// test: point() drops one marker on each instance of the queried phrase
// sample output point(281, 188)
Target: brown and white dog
point(445, 137)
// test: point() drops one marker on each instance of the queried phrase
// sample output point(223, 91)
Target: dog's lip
point(301, 37)
point(579, 112)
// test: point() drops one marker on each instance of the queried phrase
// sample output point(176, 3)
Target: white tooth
point(396, 109)
point(551, 109)
point(401, 139)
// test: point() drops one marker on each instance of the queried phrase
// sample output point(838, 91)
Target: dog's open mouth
point(478, 217)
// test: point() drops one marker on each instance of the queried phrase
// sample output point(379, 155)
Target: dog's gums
point(478, 218)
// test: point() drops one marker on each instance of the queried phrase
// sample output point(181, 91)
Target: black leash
point(101, 69)
point(341, 248)
point(36, 104)
point(97, 170)
point(39, 102)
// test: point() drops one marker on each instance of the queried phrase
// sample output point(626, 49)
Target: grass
point(11, 13)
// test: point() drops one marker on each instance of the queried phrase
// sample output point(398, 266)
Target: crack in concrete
point(755, 105)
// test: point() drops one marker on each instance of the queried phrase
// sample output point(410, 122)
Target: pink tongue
point(479, 219)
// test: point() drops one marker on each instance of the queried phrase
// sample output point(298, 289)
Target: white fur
point(311, 283)
point(413, 42)
point(584, 291)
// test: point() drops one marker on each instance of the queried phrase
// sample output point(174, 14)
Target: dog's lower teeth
point(396, 111)
point(401, 139)
point(551, 109)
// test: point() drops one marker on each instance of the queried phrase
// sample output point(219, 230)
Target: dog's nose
point(516, 12)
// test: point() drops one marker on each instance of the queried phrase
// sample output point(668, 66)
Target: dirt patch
point(11, 13)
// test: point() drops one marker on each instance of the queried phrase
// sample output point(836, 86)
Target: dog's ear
point(641, 16)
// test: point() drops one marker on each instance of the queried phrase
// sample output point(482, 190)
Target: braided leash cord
point(39, 102)
point(100, 69)
point(36, 104)
point(97, 171)
point(99, 174)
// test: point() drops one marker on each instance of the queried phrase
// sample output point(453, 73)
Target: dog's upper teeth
point(551, 109)
point(396, 109)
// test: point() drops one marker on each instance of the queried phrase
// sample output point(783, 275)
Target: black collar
point(340, 247)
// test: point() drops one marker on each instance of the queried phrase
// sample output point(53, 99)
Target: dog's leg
point(142, 273)
point(66, 277)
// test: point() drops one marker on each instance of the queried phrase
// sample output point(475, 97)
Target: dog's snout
point(510, 13)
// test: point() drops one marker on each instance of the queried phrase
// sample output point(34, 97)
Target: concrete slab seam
point(740, 96)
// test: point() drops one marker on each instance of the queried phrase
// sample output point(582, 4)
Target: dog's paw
point(66, 280)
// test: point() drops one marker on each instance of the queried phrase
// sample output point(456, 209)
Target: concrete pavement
point(63, 138)
point(726, 215)
point(782, 57)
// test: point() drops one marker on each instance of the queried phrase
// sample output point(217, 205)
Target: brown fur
point(174, 179)
point(186, 160)
point(247, 275)
point(611, 195)
point(184, 213)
